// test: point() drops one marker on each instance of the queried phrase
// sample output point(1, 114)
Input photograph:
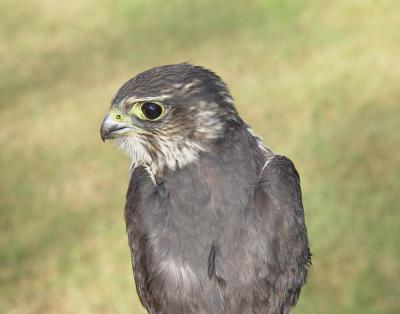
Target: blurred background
point(318, 80)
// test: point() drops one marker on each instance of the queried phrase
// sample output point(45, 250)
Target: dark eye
point(151, 110)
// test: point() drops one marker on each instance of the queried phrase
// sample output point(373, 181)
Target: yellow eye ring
point(150, 111)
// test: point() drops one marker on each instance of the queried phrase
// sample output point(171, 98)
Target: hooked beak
point(111, 128)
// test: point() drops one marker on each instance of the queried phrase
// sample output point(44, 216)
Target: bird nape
point(214, 218)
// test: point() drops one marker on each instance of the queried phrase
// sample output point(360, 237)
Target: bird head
point(166, 116)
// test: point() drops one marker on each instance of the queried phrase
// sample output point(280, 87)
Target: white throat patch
point(169, 154)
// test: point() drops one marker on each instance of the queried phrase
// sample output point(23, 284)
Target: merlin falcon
point(214, 218)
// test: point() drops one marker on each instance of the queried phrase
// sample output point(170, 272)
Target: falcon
point(214, 218)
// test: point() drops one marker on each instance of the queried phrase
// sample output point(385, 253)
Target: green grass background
point(319, 80)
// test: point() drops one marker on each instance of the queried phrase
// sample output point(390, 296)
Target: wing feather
point(264, 257)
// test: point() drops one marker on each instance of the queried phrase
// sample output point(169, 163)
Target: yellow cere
point(118, 116)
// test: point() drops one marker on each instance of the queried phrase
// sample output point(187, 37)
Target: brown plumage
point(215, 220)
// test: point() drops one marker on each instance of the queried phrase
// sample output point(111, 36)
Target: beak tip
point(102, 135)
point(103, 129)
point(111, 129)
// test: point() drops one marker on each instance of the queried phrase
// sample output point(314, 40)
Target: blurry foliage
point(317, 79)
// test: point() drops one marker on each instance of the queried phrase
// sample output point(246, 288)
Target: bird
point(214, 218)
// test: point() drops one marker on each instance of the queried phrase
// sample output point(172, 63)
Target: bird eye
point(151, 110)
